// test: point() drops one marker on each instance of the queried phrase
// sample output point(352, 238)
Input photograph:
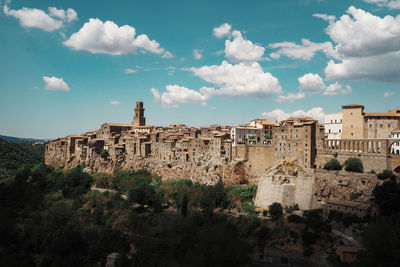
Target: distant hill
point(13, 155)
point(21, 140)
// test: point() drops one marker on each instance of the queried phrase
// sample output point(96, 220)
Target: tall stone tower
point(139, 119)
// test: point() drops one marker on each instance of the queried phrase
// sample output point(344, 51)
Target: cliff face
point(207, 170)
point(340, 184)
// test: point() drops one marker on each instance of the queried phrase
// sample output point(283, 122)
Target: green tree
point(353, 165)
point(275, 211)
point(333, 164)
point(387, 197)
point(386, 174)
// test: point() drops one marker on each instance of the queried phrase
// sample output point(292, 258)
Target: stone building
point(358, 124)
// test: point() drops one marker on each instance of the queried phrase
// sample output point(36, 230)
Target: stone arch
point(394, 146)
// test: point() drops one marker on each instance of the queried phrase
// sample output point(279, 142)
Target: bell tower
point(139, 119)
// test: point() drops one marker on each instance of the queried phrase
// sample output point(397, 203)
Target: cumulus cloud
point(55, 84)
point(176, 95)
point(336, 88)
point(305, 51)
point(197, 54)
point(384, 68)
point(114, 102)
point(387, 94)
point(368, 47)
point(107, 37)
point(222, 30)
point(65, 15)
point(278, 114)
point(359, 33)
point(156, 94)
point(311, 83)
point(242, 50)
point(36, 18)
point(392, 4)
point(239, 80)
point(328, 18)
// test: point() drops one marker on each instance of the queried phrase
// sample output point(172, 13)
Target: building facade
point(333, 125)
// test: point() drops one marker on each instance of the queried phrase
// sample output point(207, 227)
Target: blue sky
point(69, 66)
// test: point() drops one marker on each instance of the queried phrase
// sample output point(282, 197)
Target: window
point(370, 125)
point(340, 131)
point(381, 125)
point(329, 130)
point(389, 125)
point(352, 126)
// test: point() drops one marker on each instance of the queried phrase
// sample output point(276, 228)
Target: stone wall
point(260, 157)
point(374, 162)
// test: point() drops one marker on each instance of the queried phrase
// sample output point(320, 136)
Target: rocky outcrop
point(340, 184)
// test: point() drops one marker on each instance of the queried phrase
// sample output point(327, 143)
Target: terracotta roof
point(265, 122)
point(396, 130)
point(390, 113)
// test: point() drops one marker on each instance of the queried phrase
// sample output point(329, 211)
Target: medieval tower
point(139, 119)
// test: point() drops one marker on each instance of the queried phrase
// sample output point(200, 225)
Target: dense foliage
point(353, 165)
point(386, 174)
point(333, 164)
point(14, 155)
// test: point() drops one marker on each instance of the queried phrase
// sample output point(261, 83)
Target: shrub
point(354, 195)
point(353, 165)
point(275, 211)
point(333, 164)
point(265, 212)
point(292, 218)
point(386, 174)
point(291, 208)
point(242, 192)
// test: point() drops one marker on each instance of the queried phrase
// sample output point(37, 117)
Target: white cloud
point(368, 47)
point(107, 37)
point(65, 15)
point(240, 80)
point(290, 97)
point(156, 94)
point(305, 51)
point(36, 18)
point(387, 94)
point(392, 4)
point(359, 33)
point(384, 68)
point(278, 114)
point(167, 54)
point(336, 88)
point(328, 18)
point(55, 84)
point(222, 30)
point(197, 54)
point(129, 71)
point(311, 83)
point(241, 50)
point(114, 102)
point(176, 95)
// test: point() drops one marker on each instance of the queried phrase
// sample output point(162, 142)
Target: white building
point(333, 125)
point(243, 134)
point(396, 146)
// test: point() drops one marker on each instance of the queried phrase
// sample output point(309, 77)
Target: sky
point(69, 66)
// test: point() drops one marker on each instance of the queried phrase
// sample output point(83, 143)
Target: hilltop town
point(286, 158)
